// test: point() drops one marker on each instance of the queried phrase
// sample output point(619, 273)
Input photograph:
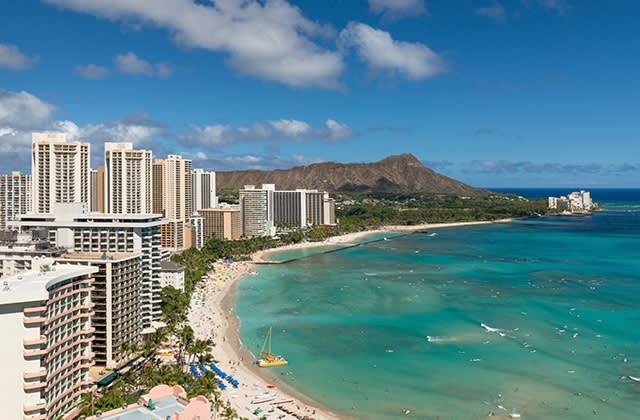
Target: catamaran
point(269, 359)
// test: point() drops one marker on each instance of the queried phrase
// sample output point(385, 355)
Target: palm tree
point(125, 348)
point(186, 337)
point(201, 347)
point(148, 346)
point(87, 404)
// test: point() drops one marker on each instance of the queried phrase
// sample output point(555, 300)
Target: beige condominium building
point(172, 179)
point(73, 228)
point(221, 223)
point(45, 356)
point(59, 170)
point(175, 176)
point(97, 190)
point(128, 174)
point(15, 197)
point(116, 299)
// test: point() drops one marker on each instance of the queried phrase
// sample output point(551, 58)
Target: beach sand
point(355, 237)
point(212, 316)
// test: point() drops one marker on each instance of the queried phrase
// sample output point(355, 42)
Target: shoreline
point(212, 315)
point(352, 238)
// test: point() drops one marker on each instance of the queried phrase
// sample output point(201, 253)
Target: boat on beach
point(267, 358)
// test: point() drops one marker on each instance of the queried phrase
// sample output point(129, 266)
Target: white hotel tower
point(128, 188)
point(45, 319)
point(59, 171)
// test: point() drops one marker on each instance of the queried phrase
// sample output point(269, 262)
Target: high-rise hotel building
point(73, 228)
point(302, 208)
point(204, 189)
point(15, 197)
point(45, 319)
point(172, 180)
point(177, 187)
point(256, 210)
point(128, 174)
point(59, 170)
point(290, 209)
point(116, 300)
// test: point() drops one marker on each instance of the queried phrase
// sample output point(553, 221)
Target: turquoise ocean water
point(563, 292)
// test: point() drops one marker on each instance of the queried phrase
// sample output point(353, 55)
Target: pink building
point(163, 402)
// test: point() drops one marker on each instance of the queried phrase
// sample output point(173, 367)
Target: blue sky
point(494, 93)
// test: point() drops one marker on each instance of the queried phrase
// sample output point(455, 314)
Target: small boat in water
point(268, 359)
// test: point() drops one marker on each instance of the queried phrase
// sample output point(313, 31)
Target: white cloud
point(248, 161)
point(291, 128)
point(269, 39)
point(92, 71)
point(13, 59)
point(495, 12)
point(283, 129)
point(132, 64)
point(138, 129)
point(380, 51)
point(337, 131)
point(21, 113)
point(395, 9)
point(22, 110)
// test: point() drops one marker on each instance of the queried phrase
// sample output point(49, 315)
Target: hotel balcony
point(34, 375)
point(40, 417)
point(34, 310)
point(27, 408)
point(27, 342)
point(31, 321)
point(32, 386)
point(34, 353)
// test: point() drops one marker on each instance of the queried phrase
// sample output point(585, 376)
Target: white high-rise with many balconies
point(45, 356)
point(256, 210)
point(60, 171)
point(15, 197)
point(127, 179)
point(204, 189)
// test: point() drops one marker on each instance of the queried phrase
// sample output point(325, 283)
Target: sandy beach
point(355, 237)
point(212, 316)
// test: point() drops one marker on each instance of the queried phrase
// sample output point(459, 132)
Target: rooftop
point(162, 402)
point(99, 256)
point(170, 266)
point(220, 209)
point(32, 286)
point(165, 407)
